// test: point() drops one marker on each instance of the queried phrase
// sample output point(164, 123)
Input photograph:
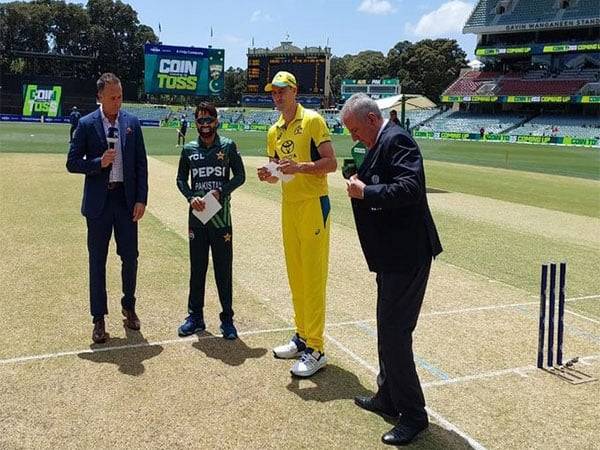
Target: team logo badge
point(221, 155)
point(287, 148)
point(375, 179)
point(298, 130)
point(191, 234)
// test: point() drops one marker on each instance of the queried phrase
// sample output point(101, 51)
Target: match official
point(399, 240)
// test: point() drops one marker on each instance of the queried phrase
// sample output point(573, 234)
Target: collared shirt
point(385, 122)
point(116, 171)
point(299, 141)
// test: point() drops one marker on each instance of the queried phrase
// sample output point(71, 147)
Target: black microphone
point(112, 137)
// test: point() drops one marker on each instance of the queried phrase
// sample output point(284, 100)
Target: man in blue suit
point(108, 147)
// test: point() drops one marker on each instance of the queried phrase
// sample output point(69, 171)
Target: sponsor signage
point(537, 49)
point(183, 70)
point(534, 26)
point(41, 100)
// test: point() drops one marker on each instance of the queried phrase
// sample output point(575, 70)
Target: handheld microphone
point(112, 137)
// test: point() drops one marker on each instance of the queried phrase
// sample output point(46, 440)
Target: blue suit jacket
point(85, 153)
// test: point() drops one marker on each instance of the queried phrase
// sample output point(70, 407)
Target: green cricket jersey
point(210, 169)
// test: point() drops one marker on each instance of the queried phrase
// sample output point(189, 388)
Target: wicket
point(550, 300)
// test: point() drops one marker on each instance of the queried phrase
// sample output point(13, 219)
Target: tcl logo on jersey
point(196, 156)
point(208, 172)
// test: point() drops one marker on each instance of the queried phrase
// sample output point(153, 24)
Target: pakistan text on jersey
point(207, 185)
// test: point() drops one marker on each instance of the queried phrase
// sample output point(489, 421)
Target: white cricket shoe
point(309, 363)
point(292, 349)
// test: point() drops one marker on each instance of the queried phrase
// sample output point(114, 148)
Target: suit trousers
point(399, 299)
point(219, 241)
point(115, 215)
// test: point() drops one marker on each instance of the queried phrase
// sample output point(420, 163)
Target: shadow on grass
point(232, 353)
point(127, 353)
point(335, 383)
point(331, 383)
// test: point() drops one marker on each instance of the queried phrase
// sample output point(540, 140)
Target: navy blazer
point(85, 153)
point(394, 223)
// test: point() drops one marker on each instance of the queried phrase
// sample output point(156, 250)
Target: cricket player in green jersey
point(214, 166)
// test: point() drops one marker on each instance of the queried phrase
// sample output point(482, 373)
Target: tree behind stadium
point(107, 30)
point(426, 67)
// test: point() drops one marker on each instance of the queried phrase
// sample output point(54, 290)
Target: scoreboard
point(373, 88)
point(308, 70)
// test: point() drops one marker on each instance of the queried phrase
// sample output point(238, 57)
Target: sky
point(347, 26)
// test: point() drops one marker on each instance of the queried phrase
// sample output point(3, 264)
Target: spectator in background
point(394, 117)
point(407, 125)
point(74, 120)
point(481, 132)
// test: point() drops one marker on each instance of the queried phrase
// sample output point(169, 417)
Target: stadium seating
point(466, 122)
point(528, 11)
point(561, 125)
point(149, 112)
point(472, 82)
point(539, 87)
point(534, 82)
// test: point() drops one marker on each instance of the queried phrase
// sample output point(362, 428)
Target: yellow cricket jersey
point(299, 142)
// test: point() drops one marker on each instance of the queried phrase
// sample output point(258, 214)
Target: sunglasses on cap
point(205, 120)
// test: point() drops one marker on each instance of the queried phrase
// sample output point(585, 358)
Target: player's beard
point(207, 132)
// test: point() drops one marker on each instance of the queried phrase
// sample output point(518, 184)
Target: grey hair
point(359, 106)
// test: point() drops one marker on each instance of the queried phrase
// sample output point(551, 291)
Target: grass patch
point(571, 195)
point(508, 256)
point(567, 161)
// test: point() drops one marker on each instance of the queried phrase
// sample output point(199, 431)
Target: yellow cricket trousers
point(305, 227)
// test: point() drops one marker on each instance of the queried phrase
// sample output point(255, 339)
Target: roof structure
point(506, 16)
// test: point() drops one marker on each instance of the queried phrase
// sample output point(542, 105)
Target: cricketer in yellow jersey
point(301, 145)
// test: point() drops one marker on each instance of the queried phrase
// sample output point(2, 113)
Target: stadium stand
point(489, 13)
point(462, 121)
point(541, 71)
point(561, 125)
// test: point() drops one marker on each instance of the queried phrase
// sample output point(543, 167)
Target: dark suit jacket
point(394, 224)
point(85, 153)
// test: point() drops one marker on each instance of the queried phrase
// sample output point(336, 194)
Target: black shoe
point(403, 433)
point(131, 320)
point(99, 335)
point(371, 404)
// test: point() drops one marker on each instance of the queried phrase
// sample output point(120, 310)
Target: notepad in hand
point(211, 207)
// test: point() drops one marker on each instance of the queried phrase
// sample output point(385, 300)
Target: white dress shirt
point(116, 171)
point(385, 122)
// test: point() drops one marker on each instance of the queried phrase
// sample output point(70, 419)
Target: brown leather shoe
point(131, 319)
point(99, 335)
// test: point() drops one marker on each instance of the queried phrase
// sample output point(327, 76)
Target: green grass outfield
point(567, 161)
point(475, 345)
point(468, 174)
